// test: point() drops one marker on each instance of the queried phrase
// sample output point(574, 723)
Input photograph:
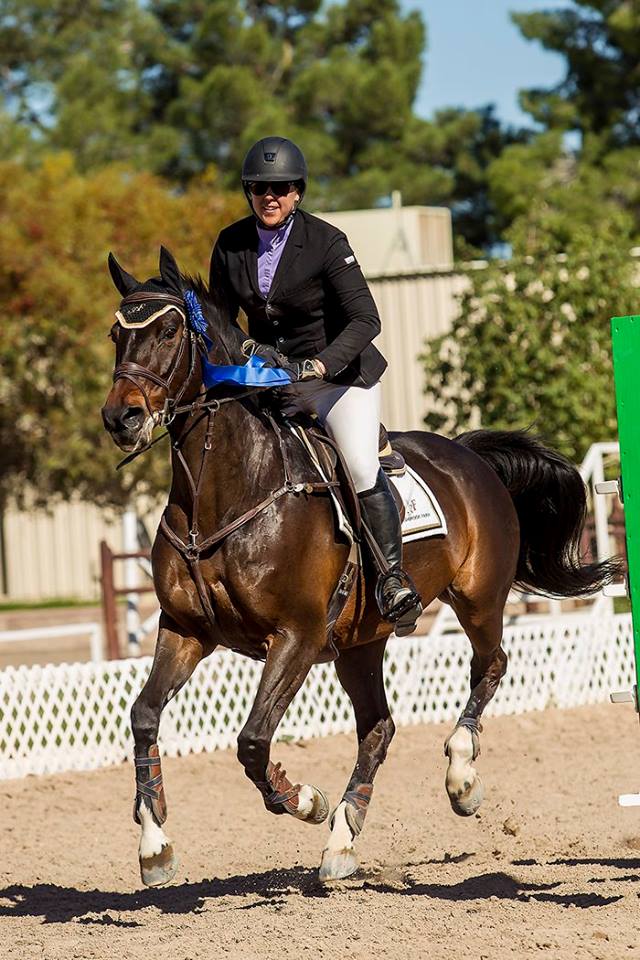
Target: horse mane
point(224, 330)
point(227, 338)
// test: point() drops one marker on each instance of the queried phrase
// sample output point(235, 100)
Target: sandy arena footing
point(550, 866)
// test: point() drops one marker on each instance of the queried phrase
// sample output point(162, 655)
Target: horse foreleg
point(175, 659)
point(288, 662)
point(360, 673)
point(462, 747)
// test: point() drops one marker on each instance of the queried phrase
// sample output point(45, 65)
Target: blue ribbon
point(251, 374)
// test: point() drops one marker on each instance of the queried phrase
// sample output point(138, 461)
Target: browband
point(141, 295)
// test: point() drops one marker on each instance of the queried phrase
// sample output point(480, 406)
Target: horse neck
point(243, 464)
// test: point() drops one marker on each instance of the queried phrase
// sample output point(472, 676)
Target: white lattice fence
point(76, 716)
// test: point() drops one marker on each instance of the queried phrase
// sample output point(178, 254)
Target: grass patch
point(54, 604)
point(621, 605)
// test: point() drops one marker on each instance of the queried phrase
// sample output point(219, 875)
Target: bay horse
point(248, 561)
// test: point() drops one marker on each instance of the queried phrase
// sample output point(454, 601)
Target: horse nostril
point(132, 417)
point(119, 419)
point(110, 417)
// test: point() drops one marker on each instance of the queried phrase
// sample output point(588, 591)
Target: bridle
point(197, 342)
point(135, 372)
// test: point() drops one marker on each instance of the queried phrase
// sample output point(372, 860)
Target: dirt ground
point(549, 867)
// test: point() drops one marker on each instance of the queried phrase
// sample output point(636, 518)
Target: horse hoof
point(467, 802)
point(337, 866)
point(160, 869)
point(320, 807)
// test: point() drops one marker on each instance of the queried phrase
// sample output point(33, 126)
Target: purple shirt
point(270, 246)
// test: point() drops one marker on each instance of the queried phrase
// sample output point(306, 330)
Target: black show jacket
point(319, 304)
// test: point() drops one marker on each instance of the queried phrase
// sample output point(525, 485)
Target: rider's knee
point(364, 472)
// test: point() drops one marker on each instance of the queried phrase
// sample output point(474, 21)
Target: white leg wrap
point(460, 751)
point(341, 837)
point(152, 838)
point(338, 857)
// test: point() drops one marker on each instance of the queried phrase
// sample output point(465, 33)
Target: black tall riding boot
point(397, 598)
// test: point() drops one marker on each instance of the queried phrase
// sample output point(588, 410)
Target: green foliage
point(598, 99)
point(56, 229)
point(532, 347)
point(600, 93)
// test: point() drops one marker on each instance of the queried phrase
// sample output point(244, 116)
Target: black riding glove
point(297, 369)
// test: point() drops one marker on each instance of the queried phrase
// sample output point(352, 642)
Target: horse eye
point(169, 333)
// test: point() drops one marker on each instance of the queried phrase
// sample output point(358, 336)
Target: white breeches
point(351, 417)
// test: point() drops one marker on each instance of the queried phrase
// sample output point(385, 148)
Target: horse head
point(157, 346)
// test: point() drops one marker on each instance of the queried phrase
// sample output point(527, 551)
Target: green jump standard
point(625, 334)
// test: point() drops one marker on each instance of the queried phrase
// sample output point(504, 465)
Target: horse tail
point(550, 499)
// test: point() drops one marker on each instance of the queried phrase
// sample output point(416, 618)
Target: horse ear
point(125, 282)
point(169, 271)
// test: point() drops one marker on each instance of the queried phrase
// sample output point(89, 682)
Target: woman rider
point(311, 312)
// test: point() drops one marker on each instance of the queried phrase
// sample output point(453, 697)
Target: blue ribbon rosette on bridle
point(253, 373)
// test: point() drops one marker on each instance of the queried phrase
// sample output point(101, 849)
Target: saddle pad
point(423, 514)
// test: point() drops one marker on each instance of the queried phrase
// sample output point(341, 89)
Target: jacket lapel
point(291, 251)
point(251, 259)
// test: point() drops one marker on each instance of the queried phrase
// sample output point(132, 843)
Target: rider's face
point(273, 210)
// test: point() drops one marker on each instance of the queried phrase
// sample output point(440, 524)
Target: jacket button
point(280, 340)
point(276, 323)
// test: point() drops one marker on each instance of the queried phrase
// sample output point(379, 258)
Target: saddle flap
point(339, 468)
point(335, 466)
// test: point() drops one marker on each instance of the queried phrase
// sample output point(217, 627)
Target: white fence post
point(131, 579)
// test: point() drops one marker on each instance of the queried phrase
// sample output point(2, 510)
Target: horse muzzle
point(124, 423)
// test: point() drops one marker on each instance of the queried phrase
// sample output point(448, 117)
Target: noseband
point(134, 372)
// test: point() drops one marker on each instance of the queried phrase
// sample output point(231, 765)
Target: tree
point(56, 228)
point(73, 78)
point(175, 87)
point(531, 346)
point(600, 93)
point(464, 145)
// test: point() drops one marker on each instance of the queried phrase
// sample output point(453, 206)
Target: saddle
point(334, 466)
point(325, 453)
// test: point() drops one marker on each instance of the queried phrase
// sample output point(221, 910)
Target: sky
point(475, 55)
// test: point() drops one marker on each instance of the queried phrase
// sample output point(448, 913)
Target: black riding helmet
point(275, 159)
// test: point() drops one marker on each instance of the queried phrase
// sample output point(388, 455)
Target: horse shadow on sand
point(272, 888)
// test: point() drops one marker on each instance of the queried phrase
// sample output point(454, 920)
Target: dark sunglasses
point(278, 189)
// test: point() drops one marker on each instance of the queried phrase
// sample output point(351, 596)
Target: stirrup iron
point(407, 610)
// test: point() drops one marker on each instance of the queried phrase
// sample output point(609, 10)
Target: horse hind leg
point(462, 747)
point(175, 659)
point(360, 672)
